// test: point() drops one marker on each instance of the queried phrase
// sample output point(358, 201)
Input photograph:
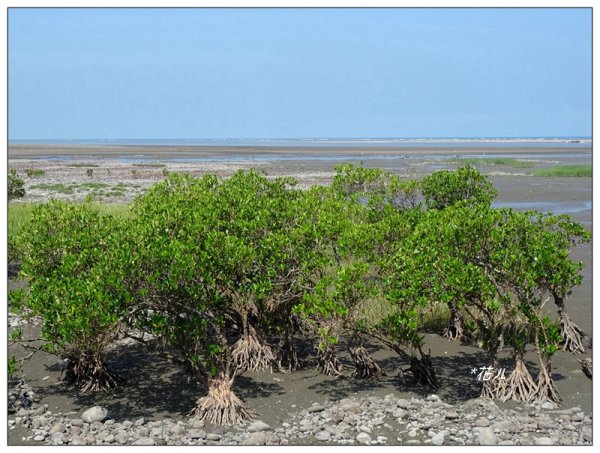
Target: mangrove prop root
point(547, 391)
point(455, 330)
point(286, 356)
point(572, 335)
point(493, 388)
point(251, 354)
point(519, 386)
point(90, 374)
point(366, 367)
point(221, 406)
point(423, 371)
point(328, 364)
point(586, 367)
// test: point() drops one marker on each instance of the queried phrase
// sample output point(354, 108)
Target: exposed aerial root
point(492, 388)
point(547, 391)
point(572, 335)
point(423, 371)
point(221, 406)
point(328, 364)
point(586, 367)
point(250, 354)
point(366, 367)
point(286, 356)
point(89, 373)
point(519, 386)
point(455, 330)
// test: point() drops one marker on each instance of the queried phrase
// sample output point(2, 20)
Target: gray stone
point(257, 426)
point(363, 438)
point(196, 434)
point(404, 404)
point(256, 438)
point(77, 441)
point(57, 428)
point(482, 422)
point(121, 437)
point(76, 422)
point(109, 439)
point(58, 438)
point(213, 436)
point(452, 415)
point(145, 441)
point(39, 438)
point(438, 439)
point(94, 414)
point(544, 441)
point(549, 405)
point(315, 408)
point(323, 435)
point(140, 421)
point(176, 429)
point(433, 397)
point(486, 437)
point(198, 424)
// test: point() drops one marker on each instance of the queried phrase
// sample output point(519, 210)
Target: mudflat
point(158, 390)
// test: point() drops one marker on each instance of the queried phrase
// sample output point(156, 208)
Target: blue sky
point(257, 73)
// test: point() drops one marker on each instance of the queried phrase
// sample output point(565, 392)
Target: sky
point(298, 73)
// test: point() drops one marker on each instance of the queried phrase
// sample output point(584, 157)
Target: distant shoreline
point(40, 150)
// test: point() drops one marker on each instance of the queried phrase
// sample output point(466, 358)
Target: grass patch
point(82, 165)
point(435, 318)
point(20, 213)
point(570, 171)
point(34, 173)
point(66, 189)
point(149, 165)
point(508, 161)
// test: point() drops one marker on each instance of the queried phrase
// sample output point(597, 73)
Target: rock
point(323, 435)
point(176, 429)
point(404, 404)
point(349, 405)
point(544, 441)
point(482, 422)
point(140, 421)
point(433, 397)
point(76, 422)
point(77, 441)
point(121, 437)
point(109, 439)
point(198, 424)
point(145, 441)
point(256, 438)
point(315, 408)
point(486, 437)
point(451, 415)
point(213, 436)
point(39, 438)
point(549, 405)
point(196, 434)
point(363, 438)
point(258, 426)
point(58, 438)
point(57, 428)
point(94, 414)
point(438, 439)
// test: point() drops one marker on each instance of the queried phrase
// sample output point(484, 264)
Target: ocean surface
point(533, 142)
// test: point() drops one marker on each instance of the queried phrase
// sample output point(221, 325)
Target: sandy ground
point(155, 388)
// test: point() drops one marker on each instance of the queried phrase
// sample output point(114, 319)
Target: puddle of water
point(556, 207)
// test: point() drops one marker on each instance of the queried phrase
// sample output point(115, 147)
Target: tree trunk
point(423, 371)
point(365, 366)
point(286, 357)
point(249, 352)
point(221, 406)
point(547, 391)
point(328, 364)
point(90, 373)
point(572, 335)
point(519, 386)
point(455, 329)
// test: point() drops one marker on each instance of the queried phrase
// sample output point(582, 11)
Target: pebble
point(363, 438)
point(213, 436)
point(438, 439)
point(256, 438)
point(257, 425)
point(544, 441)
point(94, 414)
point(486, 437)
point(145, 441)
point(482, 422)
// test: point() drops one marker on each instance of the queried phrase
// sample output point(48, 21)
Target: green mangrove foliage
point(226, 274)
point(75, 262)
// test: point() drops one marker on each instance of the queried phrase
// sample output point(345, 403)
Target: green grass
point(435, 318)
point(20, 213)
point(148, 164)
point(572, 171)
point(34, 173)
point(81, 165)
point(508, 161)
